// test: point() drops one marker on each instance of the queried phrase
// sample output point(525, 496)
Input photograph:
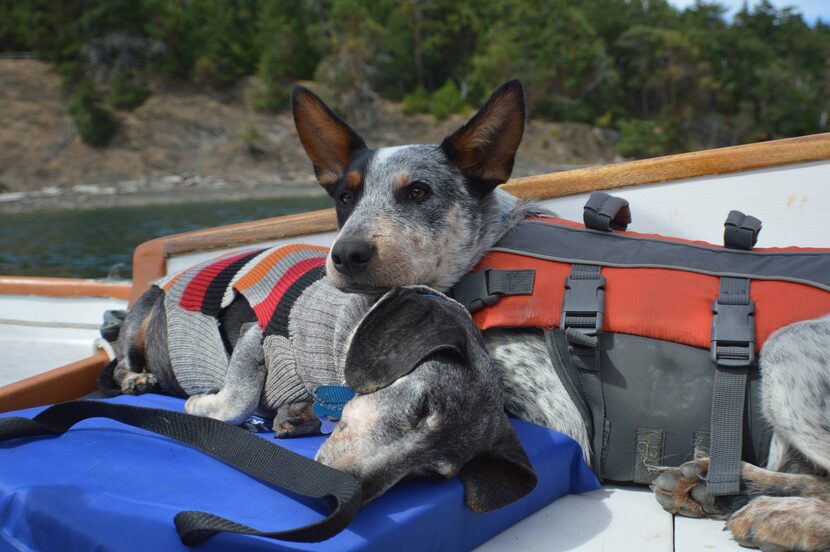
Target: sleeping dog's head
point(417, 214)
point(429, 403)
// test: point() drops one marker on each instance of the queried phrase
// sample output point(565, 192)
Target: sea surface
point(92, 243)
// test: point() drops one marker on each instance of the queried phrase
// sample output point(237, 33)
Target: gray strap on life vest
point(479, 289)
point(582, 312)
point(733, 352)
point(605, 212)
point(740, 231)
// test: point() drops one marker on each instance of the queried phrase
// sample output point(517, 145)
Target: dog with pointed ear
point(415, 214)
point(429, 403)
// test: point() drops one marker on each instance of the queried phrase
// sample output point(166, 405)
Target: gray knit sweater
point(319, 329)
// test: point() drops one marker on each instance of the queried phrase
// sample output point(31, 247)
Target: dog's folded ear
point(485, 148)
point(500, 476)
point(329, 142)
point(402, 329)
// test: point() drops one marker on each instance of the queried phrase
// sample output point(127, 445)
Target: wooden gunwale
point(62, 287)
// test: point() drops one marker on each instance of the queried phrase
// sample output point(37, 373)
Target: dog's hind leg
point(130, 373)
point(243, 385)
point(788, 508)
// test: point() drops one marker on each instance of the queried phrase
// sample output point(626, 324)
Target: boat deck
point(41, 333)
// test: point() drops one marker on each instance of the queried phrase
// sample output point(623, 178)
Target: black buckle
point(733, 334)
point(474, 291)
point(583, 306)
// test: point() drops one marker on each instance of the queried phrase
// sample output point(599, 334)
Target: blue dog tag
point(329, 401)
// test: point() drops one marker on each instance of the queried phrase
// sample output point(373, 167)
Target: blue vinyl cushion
point(107, 486)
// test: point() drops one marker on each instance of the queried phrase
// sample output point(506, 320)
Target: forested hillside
point(667, 80)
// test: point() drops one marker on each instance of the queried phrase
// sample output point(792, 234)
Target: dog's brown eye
point(346, 198)
point(418, 192)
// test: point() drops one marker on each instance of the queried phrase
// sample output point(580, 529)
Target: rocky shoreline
point(166, 190)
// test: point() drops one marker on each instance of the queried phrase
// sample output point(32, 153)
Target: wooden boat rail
point(63, 287)
point(150, 258)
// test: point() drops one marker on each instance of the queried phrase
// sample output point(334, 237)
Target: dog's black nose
point(351, 256)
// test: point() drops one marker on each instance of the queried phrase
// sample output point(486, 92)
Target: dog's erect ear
point(497, 477)
point(485, 148)
point(329, 142)
point(402, 329)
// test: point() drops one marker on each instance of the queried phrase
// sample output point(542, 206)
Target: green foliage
point(416, 102)
point(640, 138)
point(95, 124)
point(668, 79)
point(252, 138)
point(127, 92)
point(446, 101)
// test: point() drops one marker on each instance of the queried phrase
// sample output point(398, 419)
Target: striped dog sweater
point(305, 321)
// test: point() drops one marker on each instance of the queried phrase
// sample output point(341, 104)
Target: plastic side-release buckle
point(733, 334)
point(480, 289)
point(582, 310)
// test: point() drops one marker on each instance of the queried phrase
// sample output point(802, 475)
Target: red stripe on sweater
point(265, 309)
point(194, 293)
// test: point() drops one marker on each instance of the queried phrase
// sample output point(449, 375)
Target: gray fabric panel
point(648, 383)
point(649, 448)
point(576, 245)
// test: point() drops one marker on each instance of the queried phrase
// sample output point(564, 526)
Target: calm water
point(87, 243)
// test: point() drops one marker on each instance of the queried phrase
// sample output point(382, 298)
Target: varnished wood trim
point(245, 233)
point(150, 258)
point(62, 287)
point(673, 167)
point(61, 384)
point(149, 263)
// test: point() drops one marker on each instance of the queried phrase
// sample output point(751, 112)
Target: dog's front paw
point(296, 420)
point(683, 491)
point(200, 405)
point(775, 524)
point(138, 384)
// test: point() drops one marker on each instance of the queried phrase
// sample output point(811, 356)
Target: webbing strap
point(479, 289)
point(582, 311)
point(733, 351)
point(244, 451)
point(605, 212)
point(740, 231)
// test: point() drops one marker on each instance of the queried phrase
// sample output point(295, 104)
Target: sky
point(810, 9)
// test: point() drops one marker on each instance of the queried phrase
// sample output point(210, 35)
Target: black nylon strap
point(476, 290)
point(605, 212)
point(246, 452)
point(733, 351)
point(740, 231)
point(582, 312)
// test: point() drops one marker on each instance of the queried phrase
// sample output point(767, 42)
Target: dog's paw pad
point(683, 490)
point(137, 384)
point(296, 420)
